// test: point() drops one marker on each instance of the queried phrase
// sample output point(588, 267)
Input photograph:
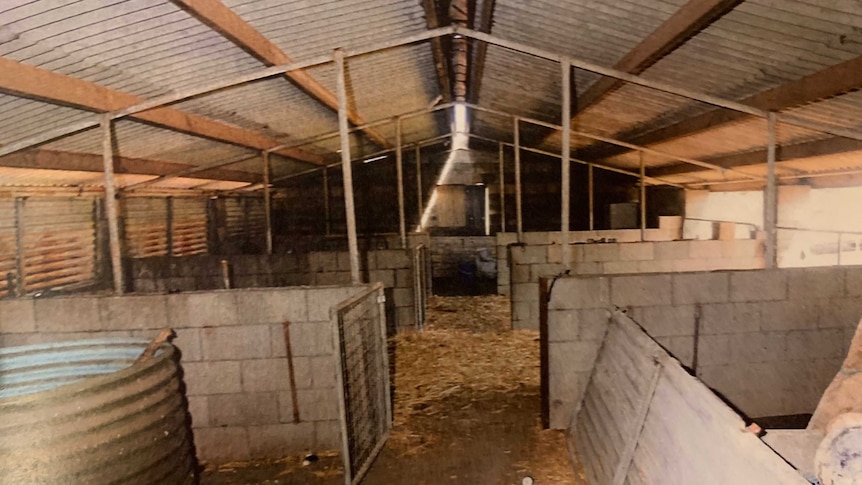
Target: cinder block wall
point(448, 251)
point(233, 358)
point(531, 261)
point(770, 341)
point(392, 267)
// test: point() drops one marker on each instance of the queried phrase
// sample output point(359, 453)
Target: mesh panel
point(366, 411)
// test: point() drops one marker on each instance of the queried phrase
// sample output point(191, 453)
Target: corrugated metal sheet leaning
point(86, 412)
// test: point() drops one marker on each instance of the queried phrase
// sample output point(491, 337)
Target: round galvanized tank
point(86, 412)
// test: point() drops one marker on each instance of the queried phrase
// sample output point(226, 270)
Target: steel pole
point(326, 211)
point(111, 203)
point(642, 198)
point(592, 197)
point(565, 164)
point(519, 220)
point(502, 188)
point(399, 169)
point(267, 202)
point(346, 168)
point(770, 205)
point(420, 201)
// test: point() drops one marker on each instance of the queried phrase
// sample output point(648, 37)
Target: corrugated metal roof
point(152, 47)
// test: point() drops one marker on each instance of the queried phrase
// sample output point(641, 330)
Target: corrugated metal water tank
point(87, 412)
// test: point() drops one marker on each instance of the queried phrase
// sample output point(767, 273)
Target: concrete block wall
point(529, 262)
point(392, 267)
point(769, 341)
point(448, 251)
point(233, 355)
point(505, 239)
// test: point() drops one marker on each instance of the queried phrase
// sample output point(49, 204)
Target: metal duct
point(85, 412)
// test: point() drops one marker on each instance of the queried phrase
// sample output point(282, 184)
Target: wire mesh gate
point(421, 287)
point(363, 380)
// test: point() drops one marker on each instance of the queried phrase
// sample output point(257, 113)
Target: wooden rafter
point(441, 59)
point(32, 82)
point(222, 19)
point(486, 20)
point(88, 162)
point(798, 151)
point(824, 84)
point(675, 31)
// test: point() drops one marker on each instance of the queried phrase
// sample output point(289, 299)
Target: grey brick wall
point(392, 267)
point(528, 262)
point(233, 355)
point(770, 341)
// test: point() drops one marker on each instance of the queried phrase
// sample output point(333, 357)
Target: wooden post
point(502, 188)
point(565, 164)
point(346, 168)
point(111, 203)
point(642, 198)
point(519, 220)
point(399, 170)
point(267, 202)
point(592, 197)
point(771, 193)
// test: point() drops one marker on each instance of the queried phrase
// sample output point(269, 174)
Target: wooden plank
point(35, 83)
point(675, 31)
point(441, 60)
point(89, 162)
point(225, 21)
point(798, 151)
point(486, 20)
point(827, 83)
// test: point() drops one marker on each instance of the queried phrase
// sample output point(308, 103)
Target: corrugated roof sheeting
point(389, 83)
point(143, 47)
point(27, 177)
point(23, 118)
point(303, 29)
point(139, 140)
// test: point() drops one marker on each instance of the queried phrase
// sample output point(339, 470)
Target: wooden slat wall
point(189, 231)
point(7, 243)
point(59, 242)
point(145, 226)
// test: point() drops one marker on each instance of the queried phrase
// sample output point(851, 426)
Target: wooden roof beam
point(486, 21)
point(438, 49)
point(674, 32)
point(824, 84)
point(798, 151)
point(35, 83)
point(225, 21)
point(89, 162)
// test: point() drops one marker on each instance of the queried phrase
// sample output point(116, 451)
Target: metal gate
point(420, 284)
point(363, 380)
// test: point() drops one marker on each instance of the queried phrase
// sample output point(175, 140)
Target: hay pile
point(467, 347)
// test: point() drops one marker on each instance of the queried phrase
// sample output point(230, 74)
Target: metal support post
point(326, 210)
point(642, 198)
point(346, 168)
point(111, 203)
point(770, 205)
point(566, 168)
point(519, 220)
point(399, 170)
point(420, 200)
point(592, 197)
point(267, 202)
point(502, 161)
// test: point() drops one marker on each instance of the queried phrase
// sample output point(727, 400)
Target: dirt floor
point(466, 410)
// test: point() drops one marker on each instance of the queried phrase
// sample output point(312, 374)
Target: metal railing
point(363, 380)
